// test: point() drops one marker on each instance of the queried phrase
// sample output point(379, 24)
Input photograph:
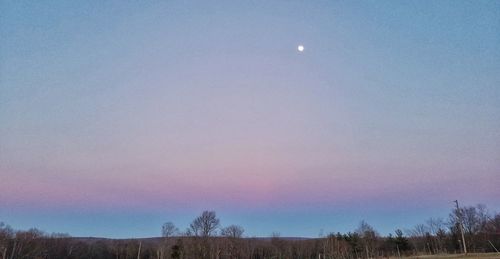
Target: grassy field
point(446, 256)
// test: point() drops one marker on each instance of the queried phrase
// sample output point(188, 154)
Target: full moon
point(300, 48)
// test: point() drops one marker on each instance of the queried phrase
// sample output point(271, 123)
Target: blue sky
point(118, 116)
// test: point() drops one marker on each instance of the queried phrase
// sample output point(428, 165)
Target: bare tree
point(475, 218)
point(233, 231)
point(418, 231)
point(169, 229)
point(205, 225)
point(436, 227)
point(6, 234)
point(233, 242)
point(418, 234)
point(369, 238)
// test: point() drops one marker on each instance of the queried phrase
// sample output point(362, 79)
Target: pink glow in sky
point(133, 114)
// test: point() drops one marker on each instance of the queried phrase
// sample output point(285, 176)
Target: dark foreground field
point(447, 256)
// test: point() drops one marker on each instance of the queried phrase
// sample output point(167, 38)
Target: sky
point(117, 116)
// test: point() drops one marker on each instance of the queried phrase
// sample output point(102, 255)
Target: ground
point(448, 256)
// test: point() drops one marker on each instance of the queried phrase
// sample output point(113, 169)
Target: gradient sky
point(116, 117)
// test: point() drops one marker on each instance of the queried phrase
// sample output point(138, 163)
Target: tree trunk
point(13, 250)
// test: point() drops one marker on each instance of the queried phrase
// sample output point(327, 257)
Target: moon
point(300, 48)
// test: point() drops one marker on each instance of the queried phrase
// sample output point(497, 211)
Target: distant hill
point(157, 240)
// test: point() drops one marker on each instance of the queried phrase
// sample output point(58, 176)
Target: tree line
point(206, 238)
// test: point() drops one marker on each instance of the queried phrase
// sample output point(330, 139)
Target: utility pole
point(459, 212)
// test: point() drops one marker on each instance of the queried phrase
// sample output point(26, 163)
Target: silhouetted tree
point(169, 229)
point(205, 225)
point(232, 231)
point(401, 241)
point(368, 237)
